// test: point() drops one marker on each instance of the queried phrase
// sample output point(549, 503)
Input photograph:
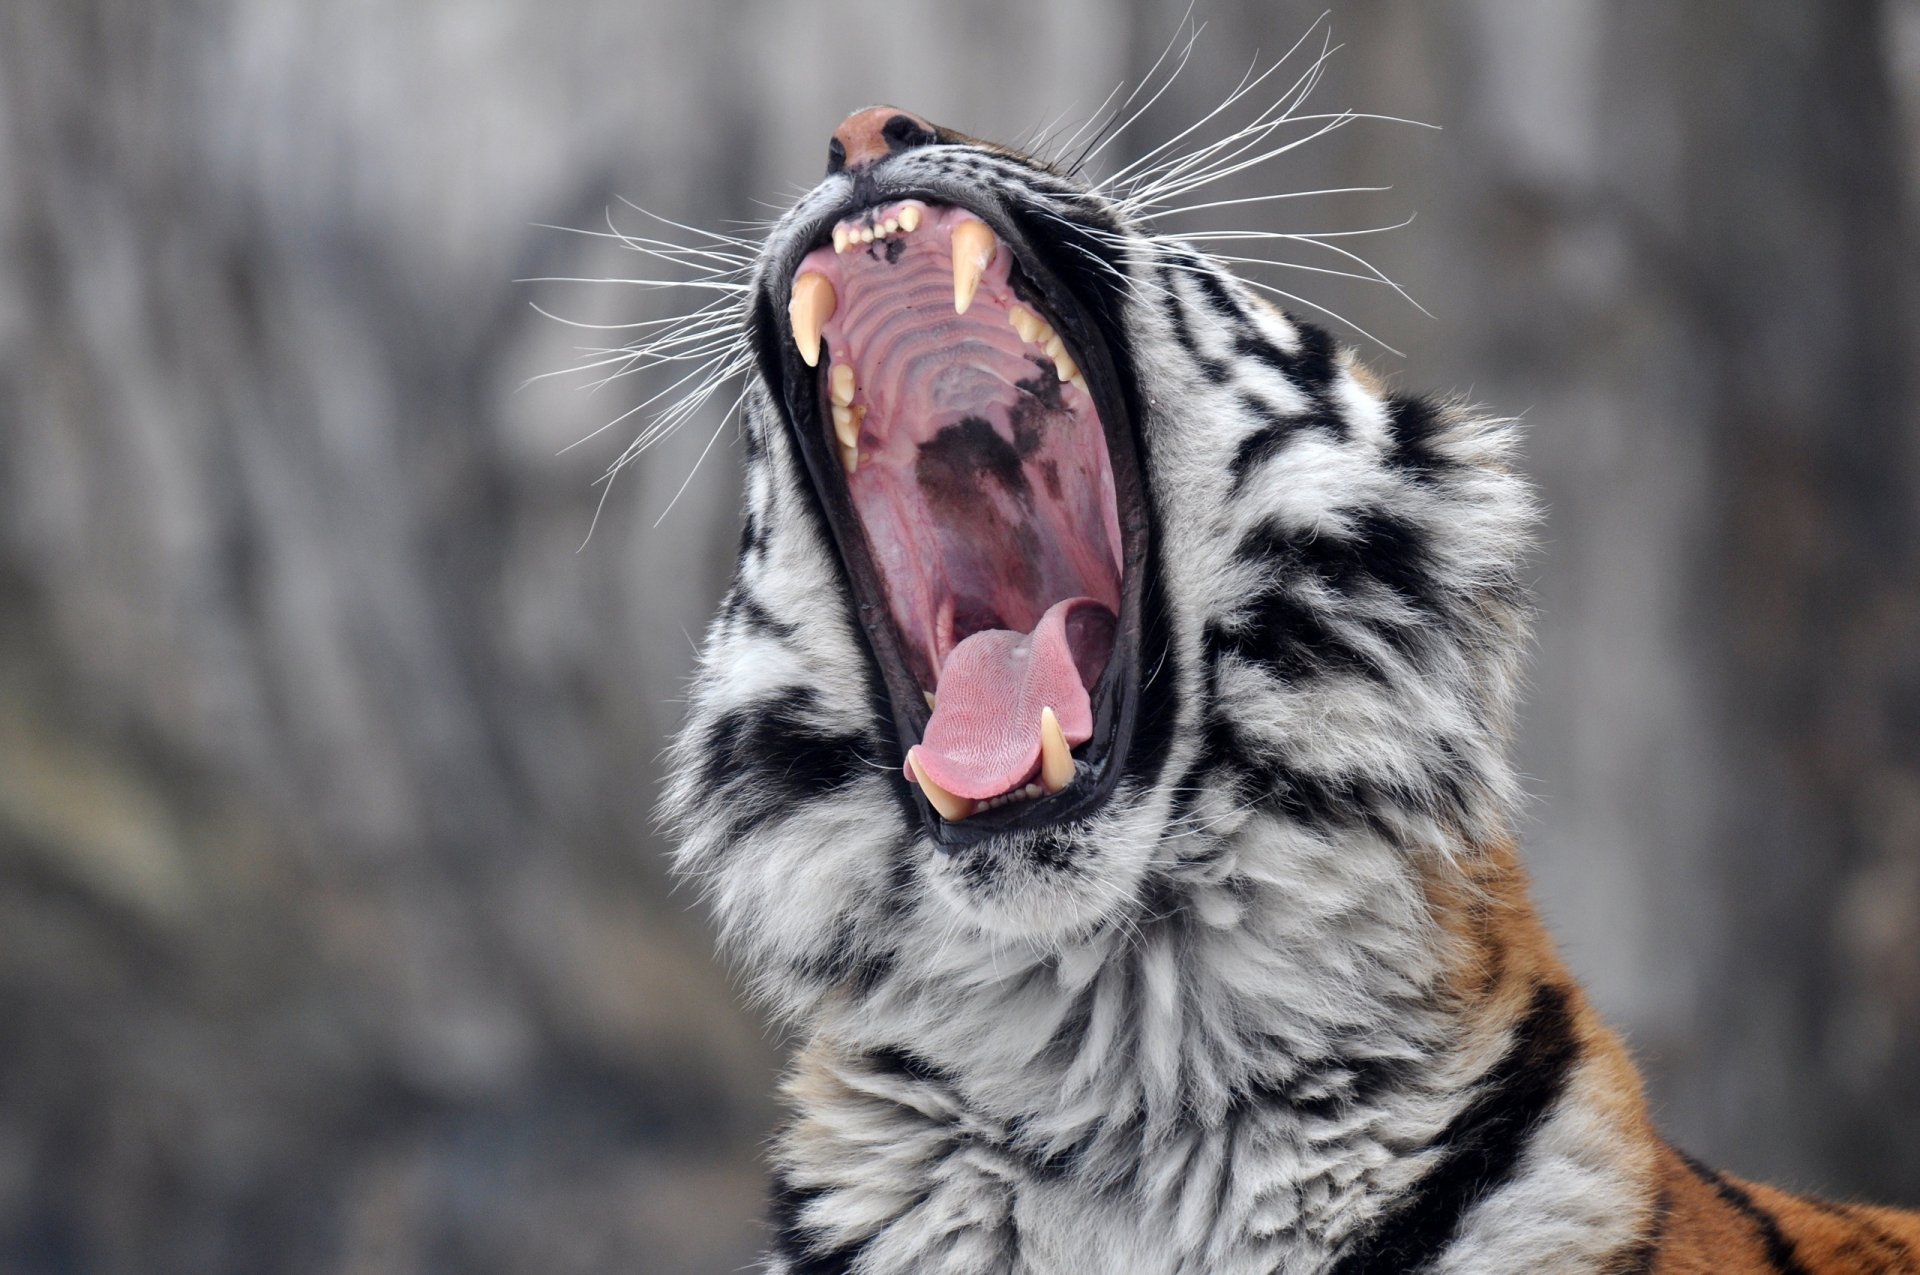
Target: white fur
point(1091, 1041)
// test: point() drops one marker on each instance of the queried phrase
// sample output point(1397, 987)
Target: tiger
point(1099, 758)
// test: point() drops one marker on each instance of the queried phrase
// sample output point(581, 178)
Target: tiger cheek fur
point(1272, 997)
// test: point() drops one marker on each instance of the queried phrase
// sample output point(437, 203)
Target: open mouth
point(969, 474)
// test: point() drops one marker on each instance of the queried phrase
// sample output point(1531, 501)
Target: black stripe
point(1175, 307)
point(897, 1060)
point(1280, 428)
point(798, 1245)
point(746, 612)
point(1284, 634)
point(1413, 423)
point(1884, 1239)
point(1480, 1149)
point(753, 538)
point(1214, 290)
point(1781, 1256)
point(1377, 549)
point(1311, 371)
point(773, 752)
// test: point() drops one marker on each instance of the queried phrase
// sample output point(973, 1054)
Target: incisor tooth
point(1064, 367)
point(1024, 321)
point(1080, 380)
point(849, 457)
point(893, 225)
point(1056, 759)
point(952, 808)
point(910, 218)
point(811, 305)
point(840, 381)
point(973, 249)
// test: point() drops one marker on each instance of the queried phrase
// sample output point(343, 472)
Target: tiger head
point(1079, 589)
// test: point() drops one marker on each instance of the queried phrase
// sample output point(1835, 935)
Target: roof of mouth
point(974, 454)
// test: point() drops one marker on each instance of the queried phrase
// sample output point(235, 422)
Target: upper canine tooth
point(811, 305)
point(841, 381)
point(952, 808)
point(1056, 759)
point(910, 218)
point(973, 249)
point(839, 239)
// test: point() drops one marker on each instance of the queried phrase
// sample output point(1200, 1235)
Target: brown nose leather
point(874, 134)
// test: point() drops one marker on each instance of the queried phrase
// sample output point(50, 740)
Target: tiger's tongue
point(984, 736)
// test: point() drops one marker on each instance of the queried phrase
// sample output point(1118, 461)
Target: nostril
point(903, 132)
point(866, 137)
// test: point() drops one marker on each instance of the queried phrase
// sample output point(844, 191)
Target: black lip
point(1078, 296)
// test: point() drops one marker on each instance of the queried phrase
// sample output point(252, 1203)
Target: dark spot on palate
point(1050, 475)
point(895, 247)
point(1044, 385)
point(952, 461)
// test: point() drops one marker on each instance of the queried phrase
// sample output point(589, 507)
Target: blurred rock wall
point(334, 933)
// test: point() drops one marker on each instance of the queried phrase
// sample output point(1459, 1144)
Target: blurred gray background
point(334, 933)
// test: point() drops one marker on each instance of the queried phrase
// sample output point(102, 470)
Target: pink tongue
point(984, 737)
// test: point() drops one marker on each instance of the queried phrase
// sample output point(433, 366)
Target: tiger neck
point(1284, 970)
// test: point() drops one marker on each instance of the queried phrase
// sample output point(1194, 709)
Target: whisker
point(1239, 91)
point(688, 481)
point(714, 235)
point(1104, 138)
point(713, 285)
point(1263, 199)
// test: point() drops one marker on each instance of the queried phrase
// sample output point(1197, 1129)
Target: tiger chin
point(1100, 759)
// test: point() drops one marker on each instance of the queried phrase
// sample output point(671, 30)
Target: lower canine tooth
point(952, 808)
point(1056, 759)
point(973, 249)
point(808, 310)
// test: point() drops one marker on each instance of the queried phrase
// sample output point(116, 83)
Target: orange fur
point(1693, 1220)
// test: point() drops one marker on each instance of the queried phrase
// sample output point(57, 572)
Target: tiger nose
point(874, 134)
